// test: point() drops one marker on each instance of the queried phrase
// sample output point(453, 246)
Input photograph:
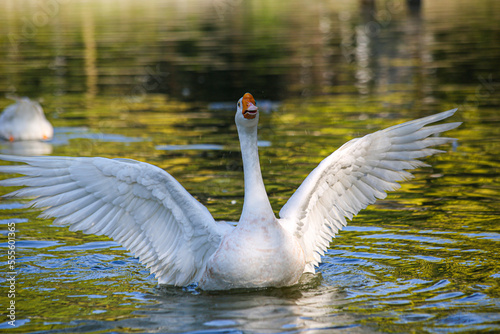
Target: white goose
point(146, 210)
point(24, 120)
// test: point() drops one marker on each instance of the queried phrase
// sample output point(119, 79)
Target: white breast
point(264, 256)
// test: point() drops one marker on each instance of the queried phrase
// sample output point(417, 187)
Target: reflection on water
point(28, 147)
point(157, 81)
point(62, 136)
point(214, 50)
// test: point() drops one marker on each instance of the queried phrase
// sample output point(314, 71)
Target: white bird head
point(247, 113)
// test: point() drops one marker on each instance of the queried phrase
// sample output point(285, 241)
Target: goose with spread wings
point(146, 210)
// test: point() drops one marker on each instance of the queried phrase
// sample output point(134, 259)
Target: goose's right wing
point(139, 205)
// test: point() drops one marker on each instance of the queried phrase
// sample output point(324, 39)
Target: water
point(157, 81)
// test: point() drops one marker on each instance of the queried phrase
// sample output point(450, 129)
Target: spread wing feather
point(354, 176)
point(140, 206)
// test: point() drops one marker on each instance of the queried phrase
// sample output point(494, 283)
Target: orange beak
point(249, 107)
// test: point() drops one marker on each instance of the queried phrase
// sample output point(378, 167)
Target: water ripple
point(409, 238)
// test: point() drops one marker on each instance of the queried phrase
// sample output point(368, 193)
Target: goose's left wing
point(354, 176)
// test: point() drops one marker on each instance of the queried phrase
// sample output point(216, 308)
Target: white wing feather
point(140, 206)
point(354, 176)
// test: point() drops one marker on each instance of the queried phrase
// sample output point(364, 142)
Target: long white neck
point(256, 206)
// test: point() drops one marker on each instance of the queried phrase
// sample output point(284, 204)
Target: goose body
point(24, 120)
point(147, 211)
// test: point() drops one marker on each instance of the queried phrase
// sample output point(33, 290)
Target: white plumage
point(354, 176)
point(147, 211)
point(24, 120)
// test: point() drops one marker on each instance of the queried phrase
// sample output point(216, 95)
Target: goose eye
point(239, 104)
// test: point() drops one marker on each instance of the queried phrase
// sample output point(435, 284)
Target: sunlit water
point(157, 81)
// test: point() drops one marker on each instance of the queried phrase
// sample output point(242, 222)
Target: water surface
point(157, 81)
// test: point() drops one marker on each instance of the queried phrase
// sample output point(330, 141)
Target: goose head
point(247, 113)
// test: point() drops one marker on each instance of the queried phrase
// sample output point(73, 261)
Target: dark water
point(157, 81)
